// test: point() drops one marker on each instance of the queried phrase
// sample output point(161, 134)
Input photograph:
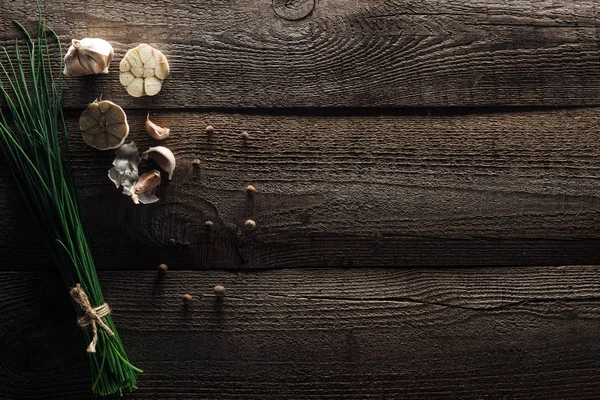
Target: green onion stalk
point(34, 140)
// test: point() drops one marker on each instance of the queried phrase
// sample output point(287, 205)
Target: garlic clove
point(152, 85)
point(87, 121)
point(147, 182)
point(104, 106)
point(163, 157)
point(124, 66)
point(112, 142)
point(104, 125)
point(94, 130)
point(114, 115)
point(155, 131)
point(98, 50)
point(142, 70)
point(88, 56)
point(134, 58)
point(100, 142)
point(145, 52)
point(136, 88)
point(116, 130)
point(145, 188)
point(162, 70)
point(151, 63)
point(94, 110)
point(126, 78)
point(74, 68)
point(138, 72)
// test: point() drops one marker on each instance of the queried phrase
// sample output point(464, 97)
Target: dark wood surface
point(380, 135)
point(345, 53)
point(516, 333)
point(478, 187)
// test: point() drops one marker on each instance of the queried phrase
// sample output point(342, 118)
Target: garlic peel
point(163, 157)
point(155, 131)
point(104, 125)
point(142, 70)
point(124, 171)
point(88, 56)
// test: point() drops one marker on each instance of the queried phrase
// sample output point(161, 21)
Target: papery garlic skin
point(88, 56)
point(124, 171)
point(163, 157)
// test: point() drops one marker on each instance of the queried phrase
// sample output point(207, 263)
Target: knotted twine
point(92, 316)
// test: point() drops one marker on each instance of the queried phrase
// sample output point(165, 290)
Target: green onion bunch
point(34, 139)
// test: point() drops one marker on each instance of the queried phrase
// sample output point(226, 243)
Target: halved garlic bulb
point(155, 131)
point(104, 125)
point(88, 56)
point(143, 70)
point(163, 157)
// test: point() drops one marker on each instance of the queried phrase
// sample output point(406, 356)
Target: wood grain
point(336, 187)
point(346, 53)
point(508, 333)
point(478, 188)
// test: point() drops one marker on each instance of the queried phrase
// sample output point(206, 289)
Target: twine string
point(92, 316)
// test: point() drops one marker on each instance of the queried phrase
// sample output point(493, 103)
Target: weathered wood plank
point(519, 333)
point(345, 53)
point(487, 188)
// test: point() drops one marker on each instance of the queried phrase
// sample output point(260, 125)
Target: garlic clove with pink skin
point(88, 56)
point(163, 157)
point(145, 188)
point(155, 131)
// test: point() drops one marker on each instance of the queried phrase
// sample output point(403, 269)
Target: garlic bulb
point(163, 157)
point(143, 70)
point(155, 131)
point(104, 125)
point(88, 56)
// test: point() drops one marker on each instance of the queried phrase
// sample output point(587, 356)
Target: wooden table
point(427, 204)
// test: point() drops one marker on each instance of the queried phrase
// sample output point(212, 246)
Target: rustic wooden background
point(427, 204)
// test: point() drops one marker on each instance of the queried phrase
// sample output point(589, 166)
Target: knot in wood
point(293, 10)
